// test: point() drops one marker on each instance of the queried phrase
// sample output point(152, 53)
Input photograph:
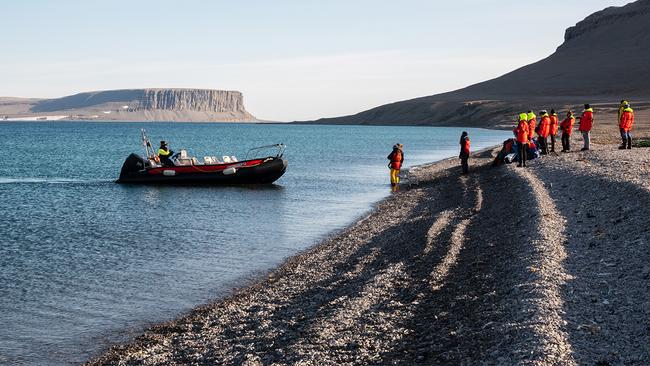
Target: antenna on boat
point(146, 143)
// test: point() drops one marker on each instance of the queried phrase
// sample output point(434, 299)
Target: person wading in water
point(396, 158)
point(464, 152)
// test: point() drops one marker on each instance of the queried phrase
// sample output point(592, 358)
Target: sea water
point(86, 262)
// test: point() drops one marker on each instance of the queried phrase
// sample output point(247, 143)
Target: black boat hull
point(266, 171)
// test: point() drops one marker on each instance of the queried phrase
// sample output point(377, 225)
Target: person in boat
point(164, 154)
point(396, 158)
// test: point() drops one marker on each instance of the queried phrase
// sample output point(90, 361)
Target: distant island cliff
point(179, 105)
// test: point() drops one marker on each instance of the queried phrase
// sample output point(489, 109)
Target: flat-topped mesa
point(204, 100)
point(201, 105)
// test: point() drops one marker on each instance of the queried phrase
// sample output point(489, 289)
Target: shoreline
point(381, 291)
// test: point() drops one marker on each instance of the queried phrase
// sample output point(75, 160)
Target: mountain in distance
point(604, 58)
point(179, 105)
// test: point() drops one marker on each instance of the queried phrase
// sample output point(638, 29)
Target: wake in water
point(32, 180)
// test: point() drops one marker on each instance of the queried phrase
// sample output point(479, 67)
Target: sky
point(292, 59)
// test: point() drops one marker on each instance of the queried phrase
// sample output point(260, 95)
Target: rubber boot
point(629, 143)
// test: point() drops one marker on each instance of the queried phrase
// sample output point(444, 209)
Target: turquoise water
point(85, 262)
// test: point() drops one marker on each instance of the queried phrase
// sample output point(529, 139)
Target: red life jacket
point(396, 159)
point(466, 144)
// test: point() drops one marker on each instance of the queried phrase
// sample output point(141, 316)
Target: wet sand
point(545, 265)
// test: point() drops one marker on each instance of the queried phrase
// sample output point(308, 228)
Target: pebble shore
point(548, 265)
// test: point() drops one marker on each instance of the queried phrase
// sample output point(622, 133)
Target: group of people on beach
point(531, 139)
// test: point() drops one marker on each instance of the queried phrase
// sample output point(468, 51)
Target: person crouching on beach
point(625, 123)
point(586, 123)
point(464, 152)
point(521, 133)
point(567, 129)
point(396, 158)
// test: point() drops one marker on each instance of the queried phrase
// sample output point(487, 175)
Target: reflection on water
point(86, 262)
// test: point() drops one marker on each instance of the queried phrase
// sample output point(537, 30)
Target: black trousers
point(464, 164)
point(523, 153)
point(552, 143)
point(566, 142)
point(543, 144)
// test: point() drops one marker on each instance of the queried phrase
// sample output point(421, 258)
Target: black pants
point(552, 143)
point(523, 153)
point(566, 142)
point(166, 161)
point(464, 164)
point(543, 144)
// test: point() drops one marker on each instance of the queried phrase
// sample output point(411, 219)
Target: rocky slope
point(603, 59)
point(204, 105)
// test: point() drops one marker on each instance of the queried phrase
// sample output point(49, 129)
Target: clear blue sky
point(292, 60)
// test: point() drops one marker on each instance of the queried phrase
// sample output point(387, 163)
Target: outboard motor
point(132, 165)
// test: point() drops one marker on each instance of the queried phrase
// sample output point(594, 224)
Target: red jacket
point(586, 120)
point(567, 125)
point(553, 124)
point(544, 126)
point(521, 132)
point(464, 147)
point(396, 158)
point(531, 128)
point(627, 120)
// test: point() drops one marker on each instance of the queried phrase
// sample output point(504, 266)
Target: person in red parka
point(464, 152)
point(531, 119)
point(544, 129)
point(567, 129)
point(554, 128)
point(521, 134)
point(586, 124)
point(625, 124)
point(396, 158)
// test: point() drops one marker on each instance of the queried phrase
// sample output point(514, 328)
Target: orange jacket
point(544, 126)
point(521, 132)
point(464, 147)
point(396, 158)
point(567, 125)
point(554, 124)
point(627, 120)
point(586, 120)
point(531, 128)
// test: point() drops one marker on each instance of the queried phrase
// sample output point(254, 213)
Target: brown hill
point(603, 59)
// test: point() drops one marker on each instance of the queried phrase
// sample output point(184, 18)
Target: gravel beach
point(546, 265)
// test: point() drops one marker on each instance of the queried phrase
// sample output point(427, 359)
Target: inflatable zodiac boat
point(188, 170)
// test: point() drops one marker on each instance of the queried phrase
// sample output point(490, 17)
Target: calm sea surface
point(85, 262)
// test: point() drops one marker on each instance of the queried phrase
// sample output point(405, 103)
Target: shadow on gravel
point(607, 304)
point(481, 315)
point(301, 320)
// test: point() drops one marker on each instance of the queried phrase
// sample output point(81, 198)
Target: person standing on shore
point(464, 152)
point(567, 129)
point(396, 158)
point(532, 123)
point(626, 121)
point(586, 123)
point(521, 133)
point(554, 128)
point(543, 130)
